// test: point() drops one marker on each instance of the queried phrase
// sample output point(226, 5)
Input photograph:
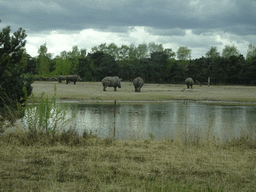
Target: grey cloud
point(161, 17)
point(166, 32)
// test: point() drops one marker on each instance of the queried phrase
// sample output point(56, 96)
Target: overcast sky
point(197, 24)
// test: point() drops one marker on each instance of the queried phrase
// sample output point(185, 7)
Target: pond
point(164, 120)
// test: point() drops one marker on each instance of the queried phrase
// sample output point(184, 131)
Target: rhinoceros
point(189, 82)
point(73, 78)
point(61, 77)
point(138, 83)
point(111, 82)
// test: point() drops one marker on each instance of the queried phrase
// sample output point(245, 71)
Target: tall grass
point(45, 116)
point(44, 122)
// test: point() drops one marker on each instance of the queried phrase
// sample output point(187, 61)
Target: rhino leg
point(104, 88)
point(115, 88)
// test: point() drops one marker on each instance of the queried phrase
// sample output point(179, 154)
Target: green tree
point(111, 49)
point(251, 52)
point(103, 64)
point(177, 73)
point(63, 66)
point(101, 48)
point(183, 53)
point(146, 70)
point(132, 55)
point(87, 70)
point(230, 50)
point(83, 53)
point(153, 47)
point(170, 53)
point(142, 51)
point(159, 59)
point(31, 65)
point(43, 61)
point(12, 83)
point(73, 57)
point(212, 53)
point(123, 53)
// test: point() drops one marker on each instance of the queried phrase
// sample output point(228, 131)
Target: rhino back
point(138, 81)
point(189, 81)
point(111, 81)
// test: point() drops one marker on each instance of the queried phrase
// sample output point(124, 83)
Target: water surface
point(167, 120)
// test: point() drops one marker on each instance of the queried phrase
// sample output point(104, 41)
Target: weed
point(46, 116)
point(152, 137)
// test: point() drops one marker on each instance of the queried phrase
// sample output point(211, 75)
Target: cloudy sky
point(197, 24)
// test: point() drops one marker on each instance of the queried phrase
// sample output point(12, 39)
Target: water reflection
point(164, 120)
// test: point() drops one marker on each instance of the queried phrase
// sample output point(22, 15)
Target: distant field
point(149, 92)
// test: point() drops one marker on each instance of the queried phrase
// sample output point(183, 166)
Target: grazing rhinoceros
point(189, 82)
point(138, 83)
point(73, 78)
point(61, 77)
point(111, 82)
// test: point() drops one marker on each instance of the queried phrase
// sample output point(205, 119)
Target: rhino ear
point(120, 79)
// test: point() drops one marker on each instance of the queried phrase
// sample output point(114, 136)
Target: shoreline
point(208, 102)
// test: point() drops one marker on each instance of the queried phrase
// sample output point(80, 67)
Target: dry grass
point(149, 92)
point(95, 164)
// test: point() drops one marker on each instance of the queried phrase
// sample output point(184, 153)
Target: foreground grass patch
point(89, 163)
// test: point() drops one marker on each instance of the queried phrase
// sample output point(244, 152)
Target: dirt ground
point(93, 91)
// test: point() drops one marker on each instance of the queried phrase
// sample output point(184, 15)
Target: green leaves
point(46, 116)
point(11, 69)
point(251, 52)
point(212, 53)
point(230, 50)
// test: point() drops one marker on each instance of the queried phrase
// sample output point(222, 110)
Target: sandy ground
point(93, 91)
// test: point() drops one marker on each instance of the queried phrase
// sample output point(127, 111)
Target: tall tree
point(101, 48)
point(43, 61)
point(103, 64)
point(230, 50)
point(123, 53)
point(142, 51)
point(31, 65)
point(73, 57)
point(159, 59)
point(153, 47)
point(170, 53)
point(83, 53)
point(111, 49)
point(212, 53)
point(12, 83)
point(87, 70)
point(63, 66)
point(251, 52)
point(132, 54)
point(184, 53)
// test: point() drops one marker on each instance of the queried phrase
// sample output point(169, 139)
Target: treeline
point(150, 61)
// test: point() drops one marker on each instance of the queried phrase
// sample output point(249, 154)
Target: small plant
point(46, 116)
point(152, 137)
